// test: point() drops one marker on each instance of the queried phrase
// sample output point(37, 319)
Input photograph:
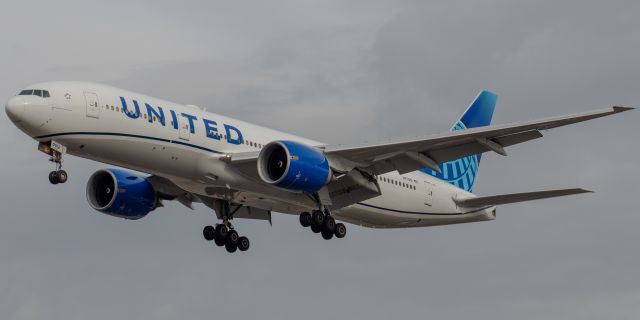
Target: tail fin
point(462, 172)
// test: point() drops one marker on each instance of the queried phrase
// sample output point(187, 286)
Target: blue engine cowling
point(121, 194)
point(294, 166)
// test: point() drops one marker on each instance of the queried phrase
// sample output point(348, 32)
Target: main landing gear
point(223, 234)
point(324, 224)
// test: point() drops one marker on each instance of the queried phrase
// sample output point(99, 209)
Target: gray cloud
point(356, 71)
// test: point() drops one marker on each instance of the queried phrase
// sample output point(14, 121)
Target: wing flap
point(516, 197)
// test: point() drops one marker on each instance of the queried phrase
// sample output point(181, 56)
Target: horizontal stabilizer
point(516, 197)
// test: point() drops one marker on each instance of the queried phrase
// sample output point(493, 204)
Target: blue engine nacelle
point(121, 194)
point(294, 166)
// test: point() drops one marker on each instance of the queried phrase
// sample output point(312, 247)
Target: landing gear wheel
point(305, 219)
point(233, 237)
point(53, 177)
point(243, 243)
point(231, 248)
point(221, 231)
point(315, 228)
point(317, 218)
point(62, 176)
point(340, 231)
point(209, 233)
point(329, 224)
point(219, 241)
point(327, 235)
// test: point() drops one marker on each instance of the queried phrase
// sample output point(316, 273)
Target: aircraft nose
point(15, 109)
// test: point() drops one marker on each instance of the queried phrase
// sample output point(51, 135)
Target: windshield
point(36, 92)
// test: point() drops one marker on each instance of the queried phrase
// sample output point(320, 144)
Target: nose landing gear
point(55, 150)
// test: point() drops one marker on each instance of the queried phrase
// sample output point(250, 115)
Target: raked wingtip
point(618, 109)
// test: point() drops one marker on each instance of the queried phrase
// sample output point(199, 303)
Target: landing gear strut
point(324, 224)
point(223, 234)
point(58, 175)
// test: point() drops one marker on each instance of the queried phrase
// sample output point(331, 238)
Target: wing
point(168, 190)
point(478, 202)
point(413, 154)
point(357, 165)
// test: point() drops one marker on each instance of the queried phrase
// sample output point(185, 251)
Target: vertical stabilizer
point(462, 172)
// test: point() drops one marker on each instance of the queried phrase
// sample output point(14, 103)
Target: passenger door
point(184, 129)
point(428, 198)
point(93, 106)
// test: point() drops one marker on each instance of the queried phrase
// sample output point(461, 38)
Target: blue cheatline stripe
point(128, 136)
point(422, 213)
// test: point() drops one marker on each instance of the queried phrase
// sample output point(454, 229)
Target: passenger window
point(117, 109)
point(37, 93)
point(45, 94)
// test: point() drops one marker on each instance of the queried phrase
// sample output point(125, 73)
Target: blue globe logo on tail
point(462, 172)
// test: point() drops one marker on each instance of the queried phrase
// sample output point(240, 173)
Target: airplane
point(244, 171)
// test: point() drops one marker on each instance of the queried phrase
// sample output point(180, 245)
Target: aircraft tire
point(209, 233)
point(219, 241)
point(62, 176)
point(233, 237)
point(305, 219)
point(317, 218)
point(329, 224)
point(53, 177)
point(243, 243)
point(315, 228)
point(340, 231)
point(231, 248)
point(327, 235)
point(221, 231)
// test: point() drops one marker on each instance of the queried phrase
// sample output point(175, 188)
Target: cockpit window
point(36, 92)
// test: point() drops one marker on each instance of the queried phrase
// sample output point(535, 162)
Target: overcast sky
point(335, 71)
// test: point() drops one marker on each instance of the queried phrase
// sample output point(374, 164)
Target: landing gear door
point(184, 129)
point(93, 107)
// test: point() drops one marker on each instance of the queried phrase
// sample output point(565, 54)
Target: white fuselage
point(184, 144)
